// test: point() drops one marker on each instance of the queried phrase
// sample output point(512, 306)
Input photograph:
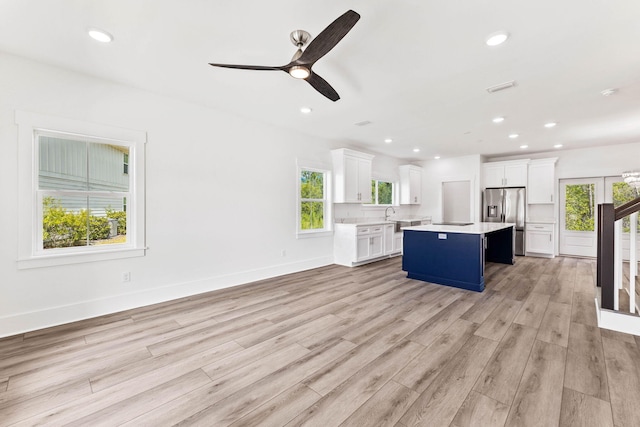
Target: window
point(381, 192)
point(580, 207)
point(313, 205)
point(81, 192)
point(77, 205)
point(624, 193)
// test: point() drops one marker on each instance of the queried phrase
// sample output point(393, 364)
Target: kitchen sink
point(406, 223)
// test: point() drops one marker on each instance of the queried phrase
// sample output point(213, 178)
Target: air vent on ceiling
point(364, 123)
point(501, 86)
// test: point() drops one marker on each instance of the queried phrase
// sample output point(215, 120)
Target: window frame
point(30, 247)
point(394, 186)
point(326, 200)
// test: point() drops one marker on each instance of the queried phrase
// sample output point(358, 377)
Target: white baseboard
point(54, 316)
point(618, 321)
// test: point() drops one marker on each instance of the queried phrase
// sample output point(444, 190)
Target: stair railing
point(610, 260)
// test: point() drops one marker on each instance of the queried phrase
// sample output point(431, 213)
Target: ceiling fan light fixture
point(299, 72)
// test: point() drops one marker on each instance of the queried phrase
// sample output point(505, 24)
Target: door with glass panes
point(579, 199)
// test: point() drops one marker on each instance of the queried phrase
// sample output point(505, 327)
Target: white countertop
point(365, 223)
point(477, 228)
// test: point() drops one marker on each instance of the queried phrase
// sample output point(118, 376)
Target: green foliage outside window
point(623, 193)
point(62, 228)
point(579, 207)
point(312, 200)
point(381, 192)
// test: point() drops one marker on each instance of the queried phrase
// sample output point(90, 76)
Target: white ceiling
point(416, 69)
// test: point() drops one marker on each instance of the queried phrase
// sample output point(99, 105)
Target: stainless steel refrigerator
point(507, 205)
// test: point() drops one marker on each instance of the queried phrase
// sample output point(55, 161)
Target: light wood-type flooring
point(337, 346)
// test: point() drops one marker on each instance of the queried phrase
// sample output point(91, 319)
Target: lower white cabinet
point(540, 240)
point(355, 244)
point(397, 242)
point(370, 242)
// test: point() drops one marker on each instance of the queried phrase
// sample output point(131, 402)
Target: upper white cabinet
point(505, 174)
point(352, 172)
point(410, 185)
point(542, 183)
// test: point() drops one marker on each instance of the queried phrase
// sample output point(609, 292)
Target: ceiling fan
point(302, 61)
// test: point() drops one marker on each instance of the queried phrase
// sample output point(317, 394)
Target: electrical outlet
point(126, 276)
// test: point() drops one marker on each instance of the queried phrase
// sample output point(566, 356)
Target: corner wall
point(221, 194)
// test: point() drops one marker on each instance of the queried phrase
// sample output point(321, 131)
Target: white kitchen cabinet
point(389, 231)
point(352, 176)
point(370, 242)
point(410, 185)
point(511, 173)
point(540, 240)
point(355, 244)
point(397, 242)
point(542, 183)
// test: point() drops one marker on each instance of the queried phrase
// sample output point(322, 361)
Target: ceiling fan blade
point(322, 86)
point(329, 37)
point(246, 67)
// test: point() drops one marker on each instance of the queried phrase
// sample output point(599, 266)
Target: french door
point(579, 199)
point(618, 192)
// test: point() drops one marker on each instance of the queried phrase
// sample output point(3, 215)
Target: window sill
point(76, 258)
point(311, 234)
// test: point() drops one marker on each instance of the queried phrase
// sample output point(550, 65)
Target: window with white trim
point(79, 203)
point(313, 201)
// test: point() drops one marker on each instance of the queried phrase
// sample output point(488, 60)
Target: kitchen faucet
point(386, 212)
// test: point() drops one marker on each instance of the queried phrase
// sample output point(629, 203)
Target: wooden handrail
point(628, 208)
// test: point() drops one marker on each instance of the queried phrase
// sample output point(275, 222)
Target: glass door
point(619, 192)
point(579, 199)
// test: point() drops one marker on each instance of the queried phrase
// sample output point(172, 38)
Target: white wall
point(435, 172)
point(220, 200)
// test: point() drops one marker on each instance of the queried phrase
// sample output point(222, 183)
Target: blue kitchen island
point(454, 255)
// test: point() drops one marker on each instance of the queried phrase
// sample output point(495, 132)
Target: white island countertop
point(477, 228)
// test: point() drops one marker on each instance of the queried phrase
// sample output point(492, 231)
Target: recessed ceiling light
point(524, 146)
point(496, 39)
point(388, 140)
point(513, 135)
point(305, 110)
point(609, 92)
point(416, 150)
point(550, 124)
point(436, 157)
point(498, 120)
point(100, 35)
point(557, 146)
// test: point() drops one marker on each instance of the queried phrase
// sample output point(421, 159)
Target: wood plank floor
point(337, 346)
